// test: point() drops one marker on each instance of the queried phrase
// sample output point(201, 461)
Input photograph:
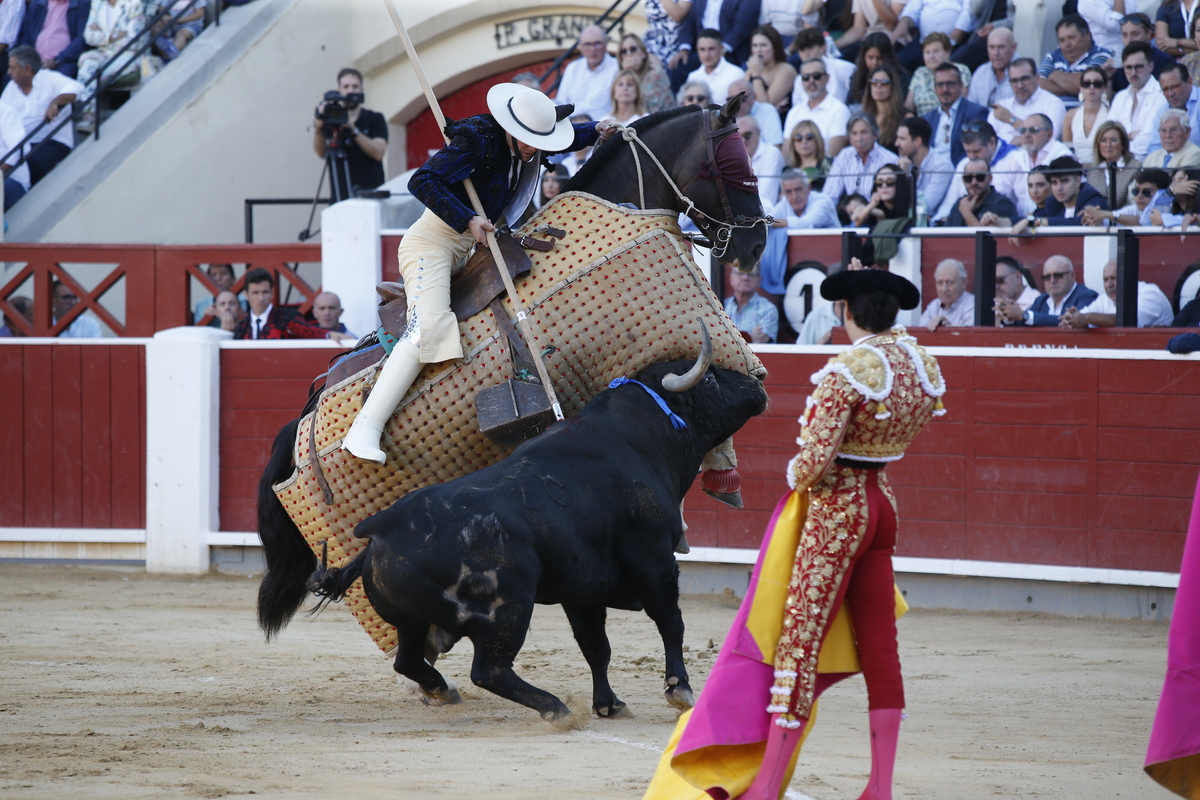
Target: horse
point(644, 166)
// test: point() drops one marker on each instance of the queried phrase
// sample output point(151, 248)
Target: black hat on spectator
point(849, 283)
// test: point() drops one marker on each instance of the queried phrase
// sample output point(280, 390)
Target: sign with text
point(558, 28)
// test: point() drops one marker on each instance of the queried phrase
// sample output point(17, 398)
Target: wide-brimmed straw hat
point(848, 283)
point(531, 117)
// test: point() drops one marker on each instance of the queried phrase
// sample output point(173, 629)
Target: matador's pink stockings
point(885, 734)
point(781, 746)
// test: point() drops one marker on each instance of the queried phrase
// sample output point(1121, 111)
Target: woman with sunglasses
point(1082, 123)
point(694, 93)
point(888, 213)
point(806, 152)
point(1114, 166)
point(882, 101)
point(768, 70)
point(656, 86)
point(626, 96)
point(876, 51)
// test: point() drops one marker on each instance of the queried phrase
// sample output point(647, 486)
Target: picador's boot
point(781, 748)
point(885, 734)
point(397, 375)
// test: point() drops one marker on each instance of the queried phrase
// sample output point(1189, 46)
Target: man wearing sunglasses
point(1138, 28)
point(829, 114)
point(1003, 160)
point(1062, 292)
point(1038, 147)
point(981, 206)
point(1027, 98)
point(1070, 196)
point(1177, 88)
point(1137, 106)
point(1149, 194)
point(953, 112)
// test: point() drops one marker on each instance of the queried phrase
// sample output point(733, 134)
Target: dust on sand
point(122, 685)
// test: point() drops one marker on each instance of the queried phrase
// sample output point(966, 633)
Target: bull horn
point(681, 383)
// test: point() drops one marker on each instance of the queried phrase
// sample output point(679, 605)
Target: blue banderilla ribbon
point(676, 420)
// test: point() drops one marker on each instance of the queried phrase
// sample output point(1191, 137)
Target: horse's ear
point(729, 111)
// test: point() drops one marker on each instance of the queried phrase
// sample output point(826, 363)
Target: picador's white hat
point(531, 117)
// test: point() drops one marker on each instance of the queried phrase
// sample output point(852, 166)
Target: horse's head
point(693, 161)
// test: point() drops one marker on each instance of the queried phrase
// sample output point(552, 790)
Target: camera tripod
point(337, 167)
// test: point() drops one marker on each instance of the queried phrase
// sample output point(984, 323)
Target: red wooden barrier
point(72, 418)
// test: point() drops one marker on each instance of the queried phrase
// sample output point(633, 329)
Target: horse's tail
point(290, 562)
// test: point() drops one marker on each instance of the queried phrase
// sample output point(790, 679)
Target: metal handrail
point(79, 105)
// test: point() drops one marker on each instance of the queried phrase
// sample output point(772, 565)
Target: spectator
point(626, 98)
point(529, 79)
point(327, 311)
point(1004, 162)
point(227, 310)
point(1061, 69)
point(1115, 167)
point(222, 277)
point(1104, 22)
point(1038, 147)
point(854, 168)
point(170, 40)
point(552, 184)
point(12, 12)
point(1185, 205)
point(1062, 292)
point(1149, 194)
point(876, 51)
point(766, 161)
point(1154, 309)
point(768, 71)
point(110, 26)
point(868, 16)
point(1138, 106)
point(802, 208)
point(1174, 128)
point(1037, 187)
point(1082, 123)
point(38, 95)
point(1014, 294)
point(811, 44)
point(82, 327)
point(934, 171)
point(922, 95)
point(828, 113)
point(55, 29)
point(16, 178)
point(807, 152)
point(368, 145)
point(656, 86)
point(954, 306)
point(949, 18)
point(889, 214)
point(989, 83)
point(268, 321)
point(848, 208)
point(953, 111)
point(663, 21)
point(1028, 98)
point(23, 306)
point(819, 324)
point(1192, 60)
point(1136, 28)
point(982, 205)
point(714, 69)
point(1179, 92)
point(733, 21)
point(695, 93)
point(883, 102)
point(587, 82)
point(764, 114)
point(1069, 196)
point(752, 313)
point(1172, 31)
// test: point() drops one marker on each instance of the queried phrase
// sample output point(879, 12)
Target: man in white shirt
point(801, 207)
point(38, 95)
point(766, 115)
point(990, 83)
point(81, 327)
point(1138, 106)
point(1176, 85)
point(766, 161)
point(1028, 98)
point(714, 69)
point(954, 306)
point(829, 114)
point(16, 180)
point(1038, 147)
point(1154, 309)
point(587, 82)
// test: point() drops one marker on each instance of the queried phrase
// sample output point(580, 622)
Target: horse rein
point(724, 228)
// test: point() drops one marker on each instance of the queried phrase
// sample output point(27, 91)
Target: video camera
point(336, 116)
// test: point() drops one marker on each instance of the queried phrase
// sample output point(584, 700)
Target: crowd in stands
point(56, 48)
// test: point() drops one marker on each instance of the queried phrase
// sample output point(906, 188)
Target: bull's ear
point(729, 111)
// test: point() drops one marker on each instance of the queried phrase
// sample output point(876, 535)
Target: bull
point(585, 515)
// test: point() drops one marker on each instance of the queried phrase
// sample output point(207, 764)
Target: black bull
point(586, 515)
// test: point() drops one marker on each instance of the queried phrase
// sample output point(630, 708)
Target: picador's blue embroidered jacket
point(478, 149)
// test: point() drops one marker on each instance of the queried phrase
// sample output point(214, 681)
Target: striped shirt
point(759, 312)
point(1056, 62)
point(849, 175)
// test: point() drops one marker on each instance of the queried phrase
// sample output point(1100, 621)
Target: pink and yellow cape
point(720, 743)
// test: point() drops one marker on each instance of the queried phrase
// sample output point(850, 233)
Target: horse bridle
point(706, 222)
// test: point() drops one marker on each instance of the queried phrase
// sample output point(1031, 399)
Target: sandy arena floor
point(121, 685)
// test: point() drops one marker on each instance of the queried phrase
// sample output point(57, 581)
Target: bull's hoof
point(447, 697)
point(614, 710)
point(679, 695)
point(728, 498)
